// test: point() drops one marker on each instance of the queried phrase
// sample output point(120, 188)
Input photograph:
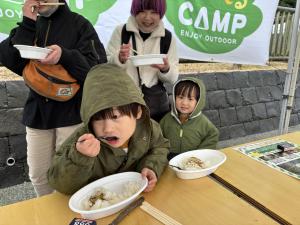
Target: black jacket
point(81, 49)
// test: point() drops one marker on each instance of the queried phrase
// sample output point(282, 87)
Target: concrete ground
point(25, 191)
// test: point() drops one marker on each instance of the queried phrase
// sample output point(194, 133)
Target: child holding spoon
point(112, 109)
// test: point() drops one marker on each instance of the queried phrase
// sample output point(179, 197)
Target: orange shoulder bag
point(50, 81)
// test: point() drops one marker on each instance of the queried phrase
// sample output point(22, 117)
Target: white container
point(32, 52)
point(114, 183)
point(212, 158)
point(150, 59)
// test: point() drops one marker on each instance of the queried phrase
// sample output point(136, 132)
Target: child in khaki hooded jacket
point(118, 135)
point(186, 126)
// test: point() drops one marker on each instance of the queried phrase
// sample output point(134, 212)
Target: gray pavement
point(25, 191)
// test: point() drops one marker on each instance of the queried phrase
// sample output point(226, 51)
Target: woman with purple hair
point(144, 30)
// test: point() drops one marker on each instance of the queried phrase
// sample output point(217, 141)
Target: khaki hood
point(201, 102)
point(108, 86)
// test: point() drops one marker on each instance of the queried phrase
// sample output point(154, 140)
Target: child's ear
point(140, 112)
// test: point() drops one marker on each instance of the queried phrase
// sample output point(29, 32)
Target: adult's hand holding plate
point(32, 52)
point(150, 59)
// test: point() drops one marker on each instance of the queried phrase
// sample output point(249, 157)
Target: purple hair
point(158, 6)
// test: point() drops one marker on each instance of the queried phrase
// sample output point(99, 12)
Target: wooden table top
point(268, 189)
point(187, 201)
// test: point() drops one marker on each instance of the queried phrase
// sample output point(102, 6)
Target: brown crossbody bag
point(50, 81)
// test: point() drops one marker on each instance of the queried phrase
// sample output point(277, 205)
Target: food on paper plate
point(103, 197)
point(193, 163)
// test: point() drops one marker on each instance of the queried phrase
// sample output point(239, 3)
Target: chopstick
point(135, 51)
point(127, 210)
point(159, 215)
point(50, 3)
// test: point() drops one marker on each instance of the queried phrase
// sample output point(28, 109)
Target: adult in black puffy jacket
point(76, 46)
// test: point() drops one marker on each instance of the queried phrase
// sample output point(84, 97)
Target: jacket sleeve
point(23, 34)
point(156, 159)
point(70, 170)
point(211, 139)
point(172, 75)
point(113, 47)
point(88, 52)
point(162, 123)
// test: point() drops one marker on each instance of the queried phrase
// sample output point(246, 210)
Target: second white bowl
point(212, 158)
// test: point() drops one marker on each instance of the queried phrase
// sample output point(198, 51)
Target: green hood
point(201, 102)
point(108, 86)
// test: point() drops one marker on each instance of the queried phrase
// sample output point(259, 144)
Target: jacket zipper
point(180, 135)
point(94, 49)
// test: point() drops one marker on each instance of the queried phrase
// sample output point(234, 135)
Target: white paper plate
point(213, 158)
point(150, 59)
point(32, 52)
point(113, 183)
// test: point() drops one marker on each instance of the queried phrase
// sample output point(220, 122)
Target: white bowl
point(32, 52)
point(113, 183)
point(212, 158)
point(150, 59)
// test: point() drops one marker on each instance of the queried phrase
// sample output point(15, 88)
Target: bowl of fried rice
point(107, 195)
point(197, 163)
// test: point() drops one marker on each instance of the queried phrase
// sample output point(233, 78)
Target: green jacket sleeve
point(159, 148)
point(212, 137)
point(70, 170)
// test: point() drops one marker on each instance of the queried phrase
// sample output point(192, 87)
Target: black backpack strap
point(125, 35)
point(165, 42)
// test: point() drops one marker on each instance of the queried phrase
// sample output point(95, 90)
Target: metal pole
point(284, 120)
point(292, 88)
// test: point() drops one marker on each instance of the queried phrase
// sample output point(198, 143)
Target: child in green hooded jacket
point(186, 126)
point(117, 135)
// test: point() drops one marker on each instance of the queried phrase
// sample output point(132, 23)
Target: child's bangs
point(128, 110)
point(187, 88)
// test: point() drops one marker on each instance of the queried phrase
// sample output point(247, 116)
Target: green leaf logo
point(214, 27)
point(90, 8)
point(10, 14)
point(11, 11)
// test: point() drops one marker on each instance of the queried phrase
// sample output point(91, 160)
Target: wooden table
point(188, 201)
point(275, 193)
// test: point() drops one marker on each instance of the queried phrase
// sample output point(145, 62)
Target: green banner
point(11, 11)
point(215, 27)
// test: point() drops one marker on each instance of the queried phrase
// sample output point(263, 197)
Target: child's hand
point(164, 68)
point(124, 52)
point(88, 145)
point(152, 179)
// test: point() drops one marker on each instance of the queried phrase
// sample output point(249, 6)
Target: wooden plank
point(273, 192)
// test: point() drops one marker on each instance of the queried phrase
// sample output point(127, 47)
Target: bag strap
point(125, 37)
point(165, 42)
